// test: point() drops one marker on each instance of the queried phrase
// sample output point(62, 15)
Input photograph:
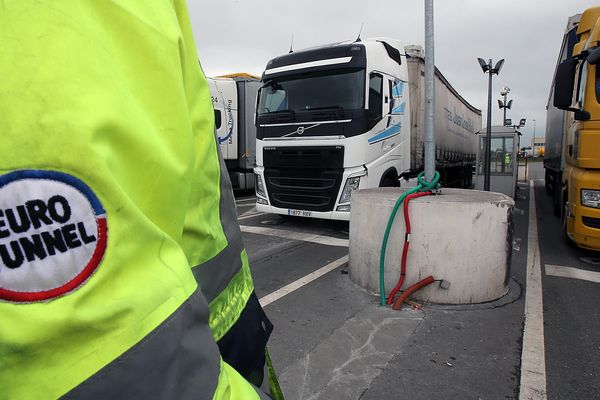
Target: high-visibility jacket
point(112, 206)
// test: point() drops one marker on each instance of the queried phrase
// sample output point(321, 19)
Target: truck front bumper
point(337, 215)
point(265, 205)
point(586, 241)
point(583, 224)
point(583, 228)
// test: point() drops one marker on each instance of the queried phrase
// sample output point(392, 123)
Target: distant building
point(537, 146)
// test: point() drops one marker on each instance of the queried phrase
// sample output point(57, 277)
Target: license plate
point(299, 213)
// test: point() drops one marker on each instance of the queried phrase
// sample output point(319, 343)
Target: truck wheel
point(547, 184)
point(389, 181)
point(470, 177)
point(557, 200)
point(462, 178)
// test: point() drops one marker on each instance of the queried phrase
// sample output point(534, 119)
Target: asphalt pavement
point(333, 341)
point(571, 311)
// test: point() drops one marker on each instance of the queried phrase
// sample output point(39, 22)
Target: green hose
point(423, 186)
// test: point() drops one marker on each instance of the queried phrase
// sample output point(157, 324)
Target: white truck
point(234, 102)
point(347, 116)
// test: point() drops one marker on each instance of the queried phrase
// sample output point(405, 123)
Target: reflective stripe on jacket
point(107, 139)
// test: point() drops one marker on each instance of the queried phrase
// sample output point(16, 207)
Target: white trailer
point(349, 116)
point(234, 102)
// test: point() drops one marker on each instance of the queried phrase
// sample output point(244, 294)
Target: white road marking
point(284, 291)
point(249, 214)
point(245, 208)
point(306, 237)
point(250, 211)
point(250, 200)
point(570, 272)
point(533, 357)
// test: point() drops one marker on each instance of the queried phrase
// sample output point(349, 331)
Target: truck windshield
point(337, 90)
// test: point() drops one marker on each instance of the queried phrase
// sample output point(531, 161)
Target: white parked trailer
point(456, 121)
point(234, 102)
point(345, 116)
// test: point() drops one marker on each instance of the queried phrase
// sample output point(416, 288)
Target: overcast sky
point(241, 36)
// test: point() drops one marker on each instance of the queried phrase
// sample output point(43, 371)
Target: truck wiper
point(279, 112)
point(278, 116)
point(336, 108)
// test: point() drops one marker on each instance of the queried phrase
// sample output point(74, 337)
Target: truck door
point(386, 106)
point(385, 99)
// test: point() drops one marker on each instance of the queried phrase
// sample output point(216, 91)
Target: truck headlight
point(260, 188)
point(590, 198)
point(350, 186)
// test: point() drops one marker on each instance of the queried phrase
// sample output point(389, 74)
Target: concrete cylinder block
point(461, 236)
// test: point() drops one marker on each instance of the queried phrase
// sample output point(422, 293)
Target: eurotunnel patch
point(53, 234)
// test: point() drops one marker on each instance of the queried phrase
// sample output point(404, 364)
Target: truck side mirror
point(581, 115)
point(594, 56)
point(564, 84)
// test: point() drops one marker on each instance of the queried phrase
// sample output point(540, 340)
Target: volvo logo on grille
point(300, 130)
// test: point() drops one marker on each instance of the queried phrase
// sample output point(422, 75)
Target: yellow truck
point(572, 158)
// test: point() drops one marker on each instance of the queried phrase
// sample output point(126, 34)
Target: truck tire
point(547, 184)
point(470, 175)
point(462, 178)
point(556, 199)
point(389, 180)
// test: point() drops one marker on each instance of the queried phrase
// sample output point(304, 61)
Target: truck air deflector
point(305, 60)
point(393, 52)
point(319, 63)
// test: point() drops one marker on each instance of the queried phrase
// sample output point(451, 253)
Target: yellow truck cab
point(575, 182)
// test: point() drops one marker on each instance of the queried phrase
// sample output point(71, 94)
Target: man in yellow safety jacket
point(122, 271)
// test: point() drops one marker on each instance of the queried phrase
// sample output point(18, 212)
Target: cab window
point(375, 98)
point(217, 119)
point(582, 84)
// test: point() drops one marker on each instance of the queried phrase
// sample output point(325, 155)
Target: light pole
point(533, 140)
point(504, 105)
point(487, 68)
point(429, 166)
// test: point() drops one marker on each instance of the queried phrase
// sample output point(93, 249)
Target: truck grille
point(306, 178)
point(591, 222)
